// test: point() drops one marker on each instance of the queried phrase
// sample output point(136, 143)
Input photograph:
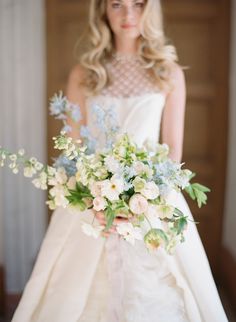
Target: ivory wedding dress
point(78, 278)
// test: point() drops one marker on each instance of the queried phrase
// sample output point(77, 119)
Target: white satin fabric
point(78, 278)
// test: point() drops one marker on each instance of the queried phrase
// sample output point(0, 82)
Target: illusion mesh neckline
point(129, 78)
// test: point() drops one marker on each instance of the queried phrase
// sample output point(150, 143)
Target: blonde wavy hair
point(156, 52)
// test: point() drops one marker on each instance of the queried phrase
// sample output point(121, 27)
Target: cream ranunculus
point(99, 203)
point(96, 188)
point(150, 190)
point(138, 204)
point(139, 167)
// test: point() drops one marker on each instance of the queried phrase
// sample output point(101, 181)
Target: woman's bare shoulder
point(77, 73)
point(75, 89)
point(176, 72)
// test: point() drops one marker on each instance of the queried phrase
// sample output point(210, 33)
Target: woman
point(76, 278)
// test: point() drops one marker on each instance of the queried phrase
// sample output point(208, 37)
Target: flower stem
point(148, 221)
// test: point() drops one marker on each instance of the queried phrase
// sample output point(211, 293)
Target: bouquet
point(119, 178)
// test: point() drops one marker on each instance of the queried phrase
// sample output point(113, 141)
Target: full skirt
point(80, 279)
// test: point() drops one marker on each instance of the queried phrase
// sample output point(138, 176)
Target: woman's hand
point(101, 218)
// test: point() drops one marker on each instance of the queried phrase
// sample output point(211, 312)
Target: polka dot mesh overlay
point(129, 78)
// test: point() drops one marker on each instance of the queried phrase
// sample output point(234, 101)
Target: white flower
point(122, 151)
point(33, 160)
point(138, 204)
point(101, 173)
point(112, 188)
point(51, 171)
point(112, 164)
point(183, 178)
point(138, 184)
point(139, 167)
point(129, 232)
point(15, 170)
point(59, 193)
point(165, 211)
point(60, 177)
point(99, 203)
point(61, 201)
point(150, 190)
point(38, 166)
point(29, 171)
point(71, 184)
point(13, 157)
point(51, 204)
point(91, 230)
point(21, 152)
point(41, 181)
point(96, 188)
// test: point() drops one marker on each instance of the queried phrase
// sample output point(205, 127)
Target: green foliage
point(110, 216)
point(197, 192)
point(76, 196)
point(180, 224)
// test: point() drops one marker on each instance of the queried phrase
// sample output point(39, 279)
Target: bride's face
point(124, 17)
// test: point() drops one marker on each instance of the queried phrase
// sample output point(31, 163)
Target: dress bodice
point(134, 97)
point(139, 116)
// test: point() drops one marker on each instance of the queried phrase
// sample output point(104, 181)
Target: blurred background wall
point(22, 125)
point(228, 264)
point(37, 40)
point(230, 193)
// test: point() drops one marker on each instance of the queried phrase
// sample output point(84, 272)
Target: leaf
point(178, 212)
point(81, 191)
point(190, 191)
point(198, 191)
point(120, 207)
point(110, 216)
point(201, 187)
point(75, 201)
point(201, 198)
point(180, 224)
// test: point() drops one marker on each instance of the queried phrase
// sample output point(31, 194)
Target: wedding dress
point(78, 278)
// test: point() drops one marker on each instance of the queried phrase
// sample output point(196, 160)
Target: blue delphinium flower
point(106, 122)
point(75, 112)
point(58, 105)
point(68, 165)
point(99, 116)
point(89, 140)
point(67, 128)
point(61, 108)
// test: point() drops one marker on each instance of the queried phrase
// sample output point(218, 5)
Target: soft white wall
point(22, 124)
point(229, 233)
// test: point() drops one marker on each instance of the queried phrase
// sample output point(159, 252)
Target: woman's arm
point(174, 114)
point(76, 94)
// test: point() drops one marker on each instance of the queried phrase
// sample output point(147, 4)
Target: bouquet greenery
point(120, 178)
